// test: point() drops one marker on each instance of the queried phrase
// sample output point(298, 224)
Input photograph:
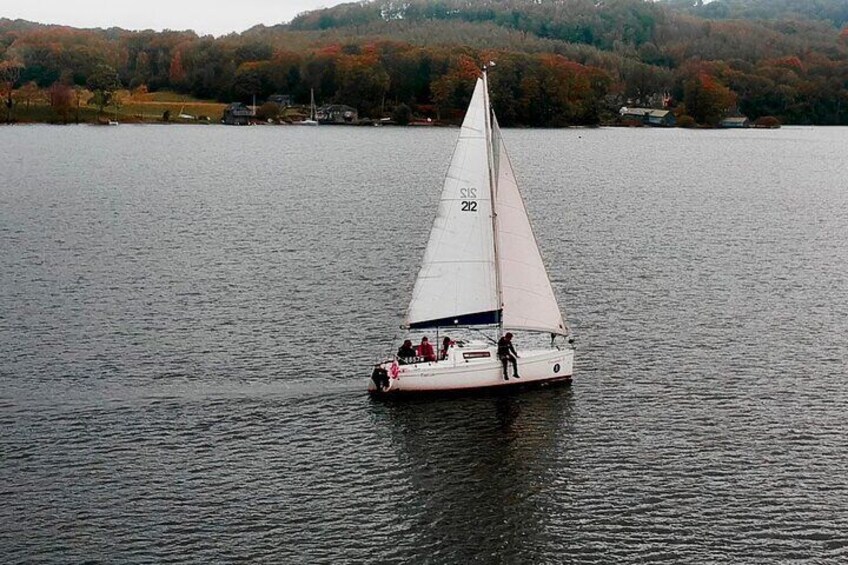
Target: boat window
point(476, 354)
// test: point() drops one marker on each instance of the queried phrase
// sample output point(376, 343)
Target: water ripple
point(183, 348)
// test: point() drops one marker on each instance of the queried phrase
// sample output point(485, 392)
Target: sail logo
point(467, 204)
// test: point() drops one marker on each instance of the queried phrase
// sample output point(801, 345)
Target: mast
point(493, 194)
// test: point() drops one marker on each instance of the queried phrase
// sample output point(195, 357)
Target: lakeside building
point(337, 114)
point(735, 122)
point(237, 114)
point(648, 116)
point(281, 100)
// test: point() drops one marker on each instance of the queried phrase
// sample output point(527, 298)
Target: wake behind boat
point(482, 273)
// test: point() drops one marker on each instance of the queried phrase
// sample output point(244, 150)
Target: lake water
point(188, 316)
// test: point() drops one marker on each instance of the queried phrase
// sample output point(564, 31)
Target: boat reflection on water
point(481, 471)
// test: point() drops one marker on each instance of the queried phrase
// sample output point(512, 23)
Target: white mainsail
point(456, 283)
point(528, 298)
point(479, 268)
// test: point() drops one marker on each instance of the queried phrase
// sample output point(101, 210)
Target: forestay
point(528, 299)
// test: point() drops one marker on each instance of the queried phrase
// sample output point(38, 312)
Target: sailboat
point(482, 272)
point(312, 121)
point(183, 116)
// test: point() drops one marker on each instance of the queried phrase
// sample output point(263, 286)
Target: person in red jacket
point(425, 350)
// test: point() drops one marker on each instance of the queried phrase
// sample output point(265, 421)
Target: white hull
point(458, 373)
point(306, 123)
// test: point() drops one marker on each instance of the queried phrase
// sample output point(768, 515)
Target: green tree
point(401, 114)
point(103, 83)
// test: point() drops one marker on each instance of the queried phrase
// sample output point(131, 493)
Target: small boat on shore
point(482, 275)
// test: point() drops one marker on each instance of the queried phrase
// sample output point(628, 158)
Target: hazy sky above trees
point(217, 18)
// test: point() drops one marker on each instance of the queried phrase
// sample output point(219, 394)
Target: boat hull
point(536, 367)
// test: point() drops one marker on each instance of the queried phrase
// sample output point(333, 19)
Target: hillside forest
point(559, 62)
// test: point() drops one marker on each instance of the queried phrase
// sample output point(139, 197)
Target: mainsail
point(456, 284)
point(482, 265)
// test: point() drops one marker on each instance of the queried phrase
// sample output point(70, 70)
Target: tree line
point(560, 62)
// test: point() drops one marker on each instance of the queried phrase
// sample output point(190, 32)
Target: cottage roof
point(238, 109)
point(652, 112)
point(336, 108)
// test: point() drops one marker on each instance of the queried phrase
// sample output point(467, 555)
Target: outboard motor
point(381, 378)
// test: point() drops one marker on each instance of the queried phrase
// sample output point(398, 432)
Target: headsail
point(457, 281)
point(528, 298)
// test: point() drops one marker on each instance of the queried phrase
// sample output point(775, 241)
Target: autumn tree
point(319, 73)
point(81, 96)
point(61, 100)
point(363, 83)
point(707, 101)
point(268, 111)
point(454, 88)
point(27, 92)
point(10, 72)
point(560, 62)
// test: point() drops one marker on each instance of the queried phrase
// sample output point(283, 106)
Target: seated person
point(425, 350)
point(406, 352)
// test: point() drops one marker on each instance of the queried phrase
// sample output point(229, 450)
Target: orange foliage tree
point(707, 100)
point(61, 99)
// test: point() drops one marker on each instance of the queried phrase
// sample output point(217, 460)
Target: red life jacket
point(425, 350)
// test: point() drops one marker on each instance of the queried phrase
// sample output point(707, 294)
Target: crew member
point(507, 354)
point(446, 343)
point(405, 352)
point(425, 350)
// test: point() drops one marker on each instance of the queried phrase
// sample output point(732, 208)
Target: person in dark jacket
point(446, 343)
point(406, 352)
point(507, 354)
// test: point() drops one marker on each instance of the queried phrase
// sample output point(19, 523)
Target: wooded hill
point(560, 62)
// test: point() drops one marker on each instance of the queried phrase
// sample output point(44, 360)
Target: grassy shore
point(131, 108)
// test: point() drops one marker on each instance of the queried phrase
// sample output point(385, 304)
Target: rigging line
point(489, 160)
point(483, 333)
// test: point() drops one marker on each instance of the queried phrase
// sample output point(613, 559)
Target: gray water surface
point(188, 315)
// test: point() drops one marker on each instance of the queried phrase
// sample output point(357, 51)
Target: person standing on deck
point(446, 344)
point(506, 353)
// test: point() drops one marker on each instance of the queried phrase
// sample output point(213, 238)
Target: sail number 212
point(468, 205)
